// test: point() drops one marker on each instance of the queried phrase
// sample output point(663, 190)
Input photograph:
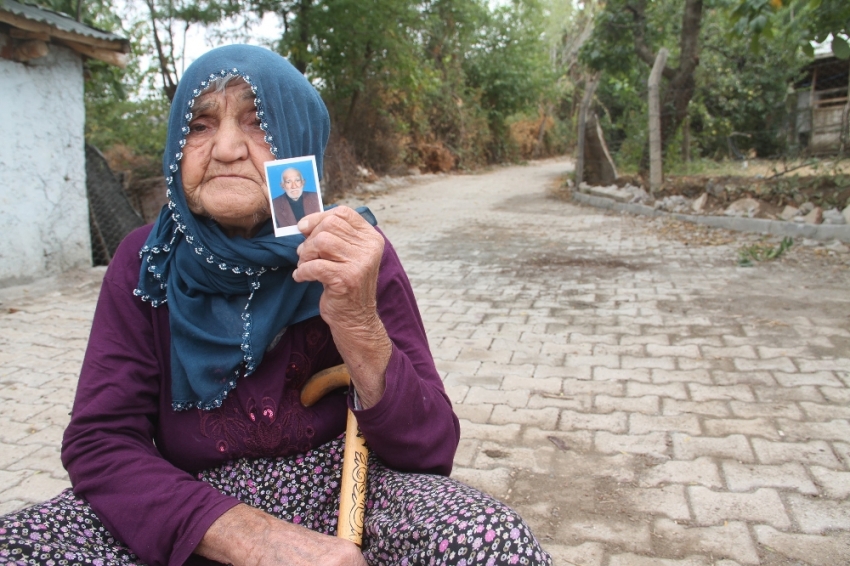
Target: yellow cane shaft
point(352, 500)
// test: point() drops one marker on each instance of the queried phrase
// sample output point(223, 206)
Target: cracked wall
point(44, 226)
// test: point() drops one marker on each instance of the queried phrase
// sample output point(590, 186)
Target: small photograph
point(293, 192)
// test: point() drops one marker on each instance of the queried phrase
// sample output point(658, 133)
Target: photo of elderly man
point(295, 203)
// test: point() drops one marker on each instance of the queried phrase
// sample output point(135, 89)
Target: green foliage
point(403, 79)
point(742, 91)
point(762, 252)
point(738, 92)
point(804, 20)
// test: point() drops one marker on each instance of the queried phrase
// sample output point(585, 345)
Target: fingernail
point(302, 224)
point(299, 248)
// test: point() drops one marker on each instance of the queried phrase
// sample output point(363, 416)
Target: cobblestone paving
point(639, 400)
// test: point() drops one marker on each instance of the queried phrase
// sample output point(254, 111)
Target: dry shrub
point(525, 134)
point(340, 164)
point(436, 158)
point(141, 177)
point(371, 132)
point(122, 159)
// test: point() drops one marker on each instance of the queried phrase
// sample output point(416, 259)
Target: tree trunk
point(589, 89)
point(299, 55)
point(680, 81)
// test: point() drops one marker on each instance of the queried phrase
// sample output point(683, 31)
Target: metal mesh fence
point(111, 216)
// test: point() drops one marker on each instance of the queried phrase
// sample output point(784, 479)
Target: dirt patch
point(552, 260)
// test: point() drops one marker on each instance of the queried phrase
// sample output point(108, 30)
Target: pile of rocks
point(709, 204)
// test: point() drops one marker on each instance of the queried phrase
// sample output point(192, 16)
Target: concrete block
point(749, 427)
point(585, 554)
point(36, 487)
point(678, 376)
point(731, 540)
point(701, 392)
point(668, 501)
point(729, 352)
point(772, 364)
point(642, 424)
point(672, 390)
point(816, 452)
point(835, 484)
point(613, 374)
point(614, 388)
point(746, 477)
point(821, 412)
point(629, 559)
point(754, 410)
point(498, 433)
point(477, 413)
point(626, 534)
point(612, 422)
point(517, 398)
point(715, 508)
point(839, 394)
point(816, 550)
point(837, 429)
point(632, 362)
point(708, 408)
point(824, 378)
point(683, 351)
point(747, 377)
point(546, 385)
point(701, 471)
point(735, 446)
point(563, 372)
point(817, 515)
point(541, 418)
point(788, 394)
point(648, 404)
point(654, 443)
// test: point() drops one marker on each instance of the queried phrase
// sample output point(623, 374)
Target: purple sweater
point(131, 456)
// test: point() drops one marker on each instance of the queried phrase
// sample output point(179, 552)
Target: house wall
point(44, 226)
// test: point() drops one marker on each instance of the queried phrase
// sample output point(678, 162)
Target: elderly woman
point(187, 441)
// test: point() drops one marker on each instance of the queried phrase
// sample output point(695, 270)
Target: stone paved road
point(639, 400)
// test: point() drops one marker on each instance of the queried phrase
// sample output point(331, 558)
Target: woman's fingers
point(340, 247)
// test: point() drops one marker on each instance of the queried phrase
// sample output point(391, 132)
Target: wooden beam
point(111, 57)
point(38, 27)
point(22, 34)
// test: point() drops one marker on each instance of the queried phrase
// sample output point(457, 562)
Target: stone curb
point(822, 232)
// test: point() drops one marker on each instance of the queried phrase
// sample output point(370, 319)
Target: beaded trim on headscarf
point(200, 249)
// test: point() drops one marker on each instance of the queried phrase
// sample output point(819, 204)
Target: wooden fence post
point(589, 89)
point(656, 171)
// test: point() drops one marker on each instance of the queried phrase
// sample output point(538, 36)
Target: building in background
point(44, 211)
point(823, 105)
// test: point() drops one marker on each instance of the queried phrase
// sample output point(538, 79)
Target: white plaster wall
point(44, 226)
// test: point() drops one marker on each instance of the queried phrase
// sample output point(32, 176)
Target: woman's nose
point(230, 142)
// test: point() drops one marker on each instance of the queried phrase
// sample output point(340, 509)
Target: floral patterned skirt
point(411, 519)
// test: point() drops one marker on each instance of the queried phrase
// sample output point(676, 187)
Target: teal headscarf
point(228, 298)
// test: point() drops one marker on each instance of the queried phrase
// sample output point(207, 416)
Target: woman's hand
point(343, 252)
point(247, 536)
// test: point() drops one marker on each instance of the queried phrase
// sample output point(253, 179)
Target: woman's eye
point(197, 127)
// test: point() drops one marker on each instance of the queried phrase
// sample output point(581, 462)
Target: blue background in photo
point(304, 167)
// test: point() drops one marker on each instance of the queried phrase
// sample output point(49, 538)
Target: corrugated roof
point(57, 20)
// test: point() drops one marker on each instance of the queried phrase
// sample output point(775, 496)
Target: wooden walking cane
point(352, 499)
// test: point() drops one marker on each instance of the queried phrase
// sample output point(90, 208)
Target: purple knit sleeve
point(412, 428)
point(158, 510)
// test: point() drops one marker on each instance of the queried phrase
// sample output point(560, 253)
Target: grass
point(747, 255)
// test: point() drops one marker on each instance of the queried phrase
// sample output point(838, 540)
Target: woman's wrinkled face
point(222, 168)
